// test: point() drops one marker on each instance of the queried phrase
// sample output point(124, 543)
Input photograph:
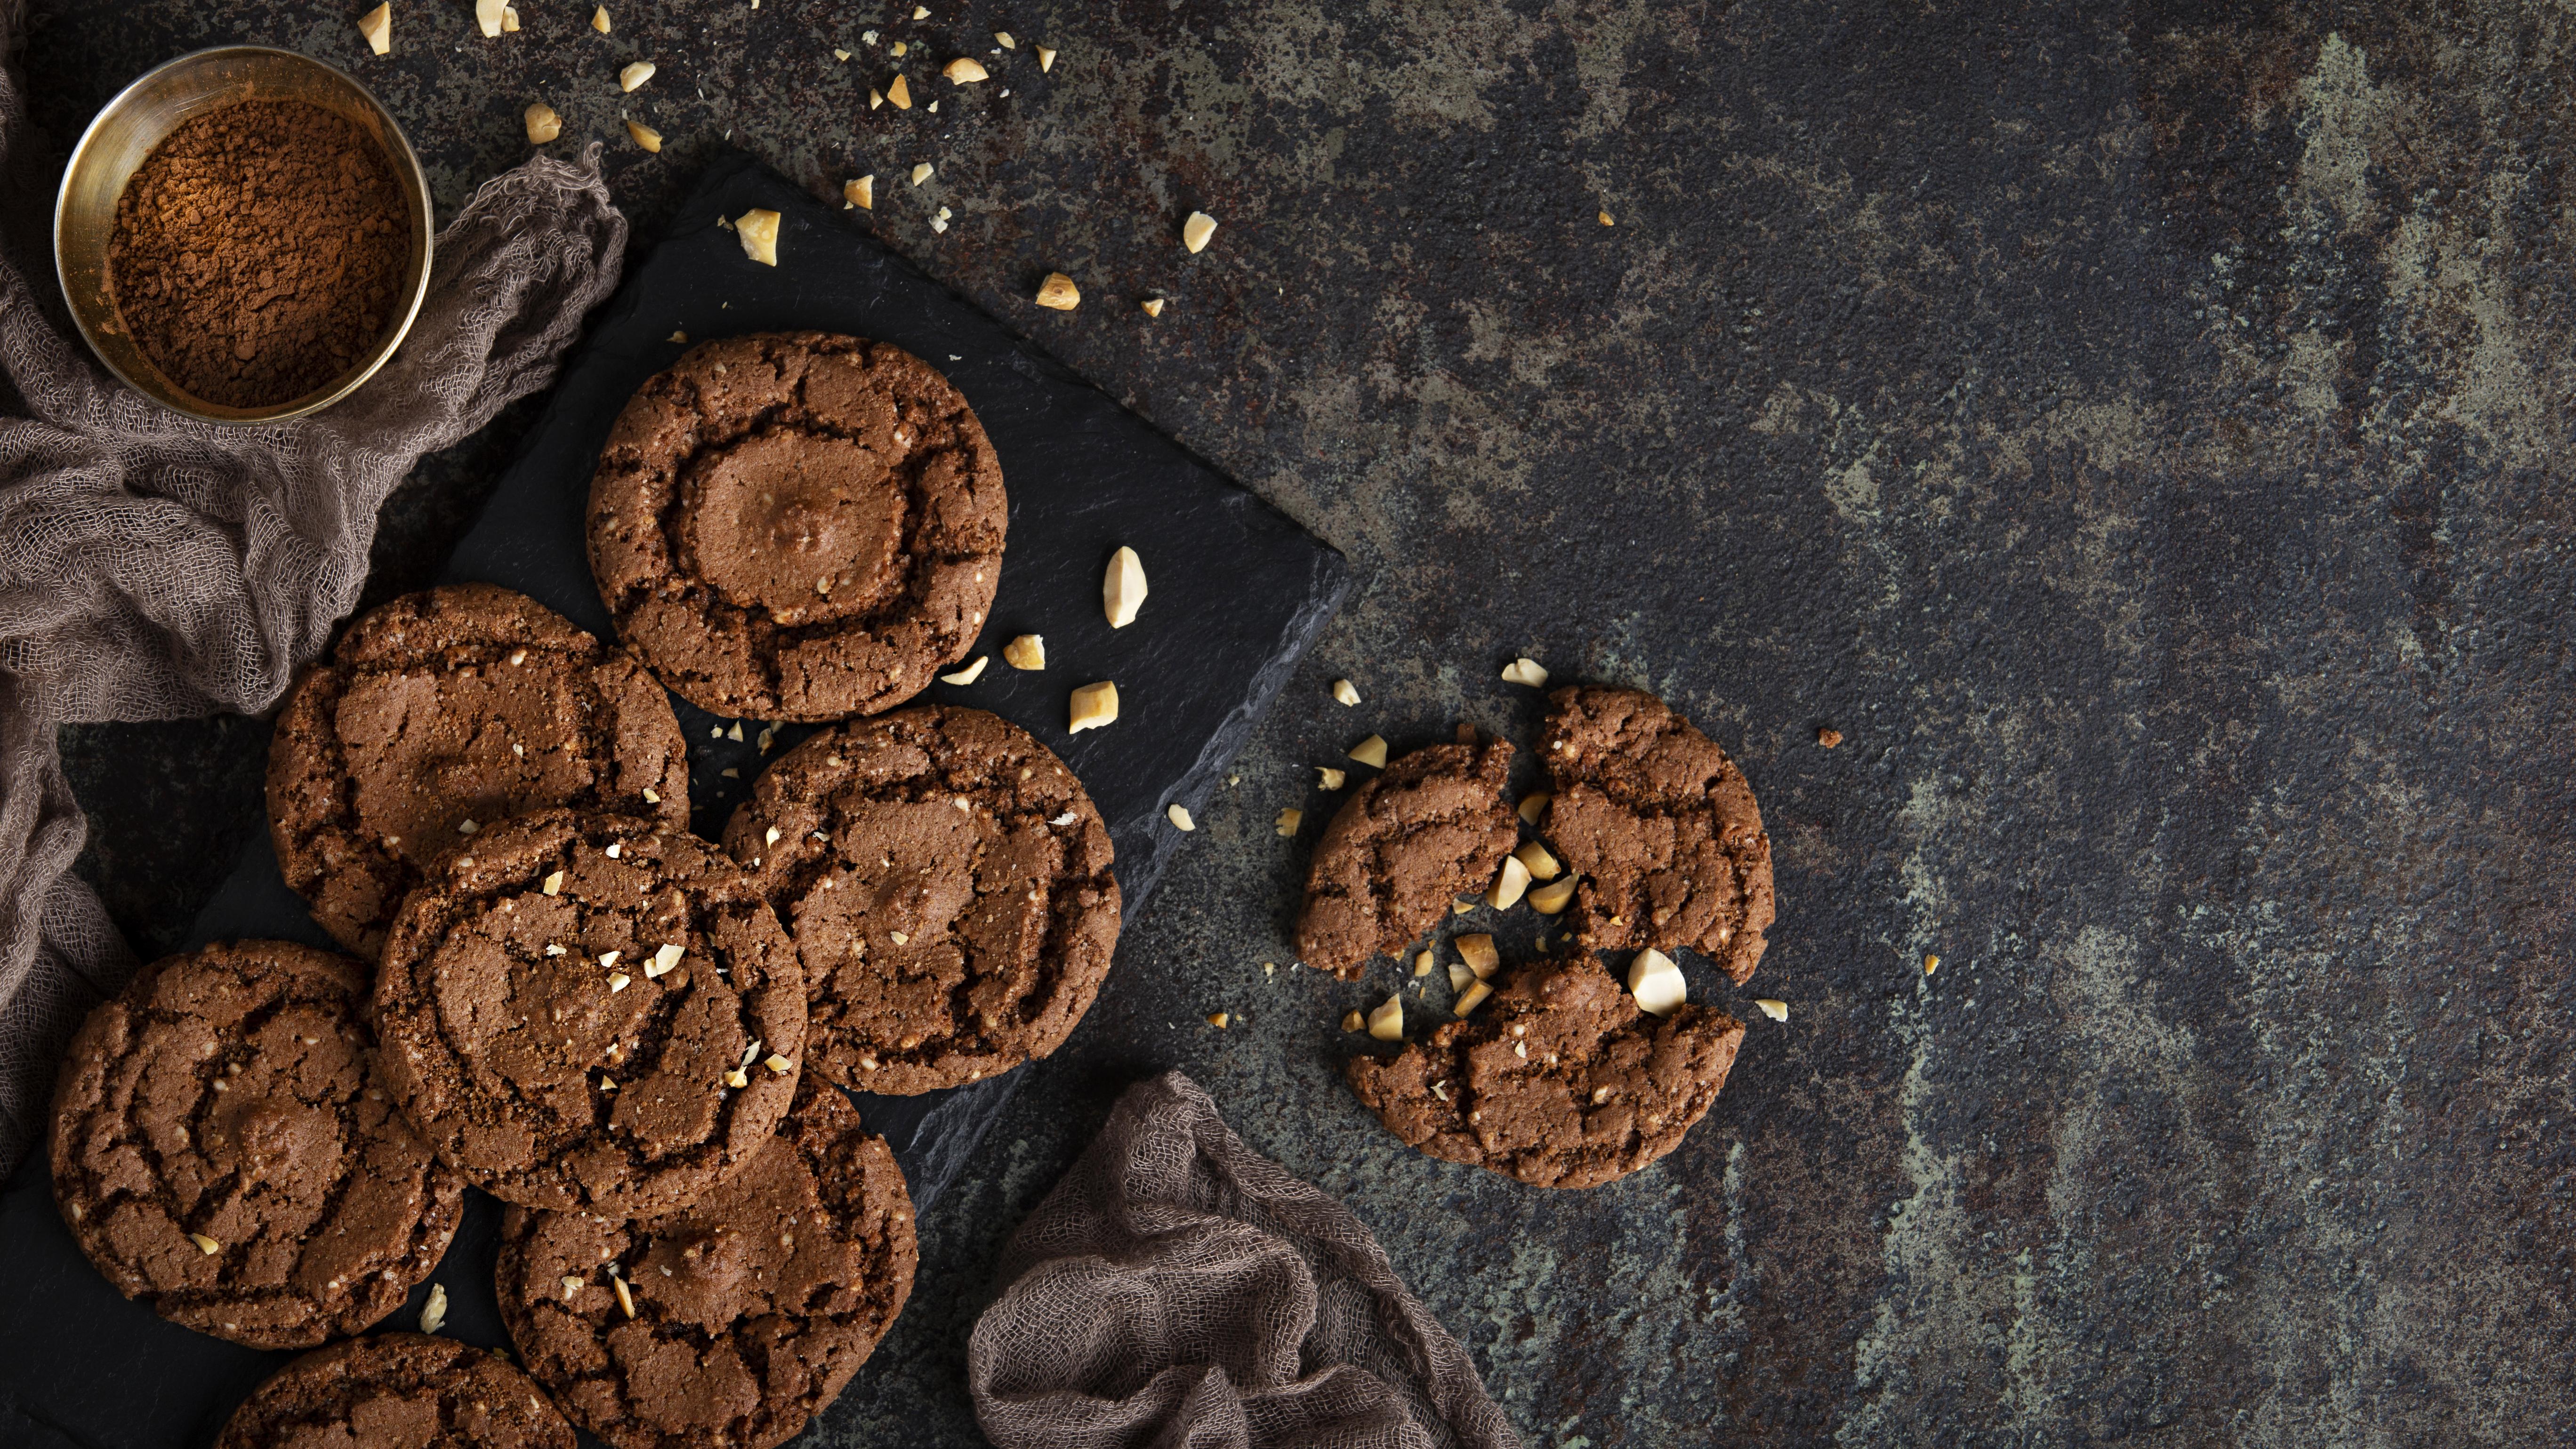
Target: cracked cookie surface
point(797, 525)
point(1560, 1081)
point(948, 883)
point(752, 1308)
point(581, 1012)
point(1431, 827)
point(405, 1389)
point(225, 1094)
point(442, 712)
point(1662, 828)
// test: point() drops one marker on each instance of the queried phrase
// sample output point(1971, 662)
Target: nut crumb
point(1423, 963)
point(553, 884)
point(1473, 997)
point(1553, 897)
point(902, 49)
point(1510, 884)
point(1931, 964)
point(635, 75)
point(1387, 1022)
point(758, 229)
point(922, 172)
point(1606, 220)
point(1773, 1008)
point(970, 673)
point(1046, 58)
point(433, 1314)
point(1217, 1019)
point(571, 1286)
point(1656, 983)
point(205, 1245)
point(1330, 778)
point(1345, 691)
point(876, 98)
point(1153, 306)
point(1122, 588)
point(861, 193)
point(625, 1299)
point(1459, 976)
point(1196, 231)
point(1533, 806)
point(1026, 652)
point(839, 54)
point(665, 957)
point(377, 26)
point(777, 1064)
point(1003, 39)
point(1525, 671)
point(1479, 954)
point(921, 12)
point(599, 20)
point(1535, 859)
point(618, 981)
point(899, 90)
point(1179, 817)
point(1290, 819)
point(1094, 705)
point(645, 136)
point(543, 124)
point(1059, 293)
point(1371, 752)
point(1351, 1021)
point(965, 70)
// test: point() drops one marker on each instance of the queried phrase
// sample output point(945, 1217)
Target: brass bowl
point(140, 117)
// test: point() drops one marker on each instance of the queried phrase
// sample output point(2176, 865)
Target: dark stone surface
point(2143, 431)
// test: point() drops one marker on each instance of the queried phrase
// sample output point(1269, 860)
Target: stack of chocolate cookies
point(555, 994)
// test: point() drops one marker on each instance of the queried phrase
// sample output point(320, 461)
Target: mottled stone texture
point(2142, 431)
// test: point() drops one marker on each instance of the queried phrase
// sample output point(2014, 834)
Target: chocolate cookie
point(1434, 826)
point(444, 712)
point(947, 881)
point(1661, 827)
point(219, 1154)
point(797, 525)
point(740, 1318)
point(591, 1011)
point(1560, 1081)
point(397, 1391)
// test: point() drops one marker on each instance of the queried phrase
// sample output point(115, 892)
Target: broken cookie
point(1431, 828)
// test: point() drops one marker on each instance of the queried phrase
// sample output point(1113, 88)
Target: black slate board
point(1238, 592)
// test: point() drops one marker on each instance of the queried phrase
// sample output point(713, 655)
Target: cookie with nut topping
point(404, 1389)
point(1431, 827)
point(948, 883)
point(733, 1321)
point(591, 1011)
point(797, 525)
point(220, 1153)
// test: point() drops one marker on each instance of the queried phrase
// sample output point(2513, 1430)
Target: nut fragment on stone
point(970, 673)
point(1046, 58)
point(1059, 293)
point(965, 70)
point(1608, 220)
point(1656, 983)
point(1003, 39)
point(1422, 963)
point(1371, 752)
point(1773, 1008)
point(645, 136)
point(1330, 778)
point(1217, 1019)
point(433, 1314)
point(635, 75)
point(487, 17)
point(1345, 691)
point(1351, 1021)
point(1829, 737)
point(1196, 231)
point(543, 124)
point(921, 172)
point(1459, 976)
point(861, 193)
point(1553, 897)
point(205, 1245)
point(1533, 806)
point(599, 20)
point(1387, 1022)
point(758, 229)
point(1479, 954)
point(1525, 671)
point(1473, 997)
point(1180, 817)
point(1535, 859)
point(509, 19)
point(876, 98)
point(1510, 884)
point(921, 12)
point(1290, 819)
point(378, 26)
point(1122, 588)
point(1153, 306)
point(1094, 705)
point(1931, 964)
point(900, 92)
point(1026, 652)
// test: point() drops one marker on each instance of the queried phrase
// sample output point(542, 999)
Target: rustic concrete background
point(2143, 431)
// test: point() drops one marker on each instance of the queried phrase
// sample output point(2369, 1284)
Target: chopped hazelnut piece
point(1656, 982)
point(921, 172)
point(1773, 1008)
point(1535, 859)
point(1180, 817)
point(1422, 963)
point(1217, 1019)
point(1387, 1022)
point(487, 18)
point(1094, 705)
point(1459, 976)
point(1553, 897)
point(205, 1245)
point(900, 92)
point(1345, 691)
point(1371, 752)
point(433, 1314)
point(1510, 884)
point(618, 981)
point(1196, 231)
point(1122, 588)
point(599, 20)
point(635, 75)
point(1931, 964)
point(876, 98)
point(1290, 819)
point(1525, 671)
point(553, 885)
point(1352, 1021)
point(921, 12)
point(1003, 39)
point(777, 1064)
point(1533, 806)
point(664, 958)
point(1059, 293)
point(378, 26)
point(1463, 904)
point(901, 49)
point(1606, 220)
point(645, 136)
point(1479, 954)
point(1153, 306)
point(1046, 58)
point(758, 229)
point(737, 1079)
point(1330, 778)
point(861, 193)
point(970, 673)
point(1026, 652)
point(1829, 737)
point(543, 124)
point(1473, 997)
point(965, 70)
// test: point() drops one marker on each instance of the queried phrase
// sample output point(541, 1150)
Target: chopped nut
point(777, 1064)
point(433, 1314)
point(900, 91)
point(466, 827)
point(1026, 652)
point(1122, 588)
point(664, 958)
point(1217, 1019)
point(1387, 1022)
point(487, 17)
point(553, 885)
point(1094, 705)
point(1553, 897)
point(921, 12)
point(1773, 1008)
point(652, 796)
point(1046, 58)
point(1463, 904)
point(1423, 963)
point(1290, 819)
point(378, 26)
point(1370, 752)
point(1351, 1021)
point(1510, 884)
point(1473, 997)
point(1829, 737)
point(1345, 691)
point(1440, 1089)
point(1179, 817)
point(922, 172)
point(1479, 954)
point(970, 673)
point(509, 19)
point(1330, 778)
point(1535, 859)
point(1059, 293)
point(645, 136)
point(1931, 964)
point(205, 1245)
point(635, 75)
point(614, 851)
point(625, 1299)
point(543, 124)
point(1459, 976)
point(1656, 982)
point(759, 231)
point(1003, 39)
point(876, 98)
point(965, 70)
point(1196, 231)
point(1525, 671)
point(737, 1079)
point(839, 54)
point(861, 193)
point(618, 981)
point(1606, 221)
point(571, 1286)
point(901, 49)
point(1533, 806)
point(900, 938)
point(599, 20)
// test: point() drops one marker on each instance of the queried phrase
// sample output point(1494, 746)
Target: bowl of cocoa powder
point(243, 235)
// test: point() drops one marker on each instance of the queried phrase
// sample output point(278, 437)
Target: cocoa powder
point(258, 251)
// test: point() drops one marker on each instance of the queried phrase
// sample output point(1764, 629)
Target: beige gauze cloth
point(1178, 1290)
point(152, 567)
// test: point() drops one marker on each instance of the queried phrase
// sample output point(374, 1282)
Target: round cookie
point(752, 1308)
point(948, 883)
point(591, 1011)
point(397, 1389)
point(1431, 827)
point(797, 525)
point(1660, 825)
point(219, 1153)
point(443, 712)
point(1561, 1081)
